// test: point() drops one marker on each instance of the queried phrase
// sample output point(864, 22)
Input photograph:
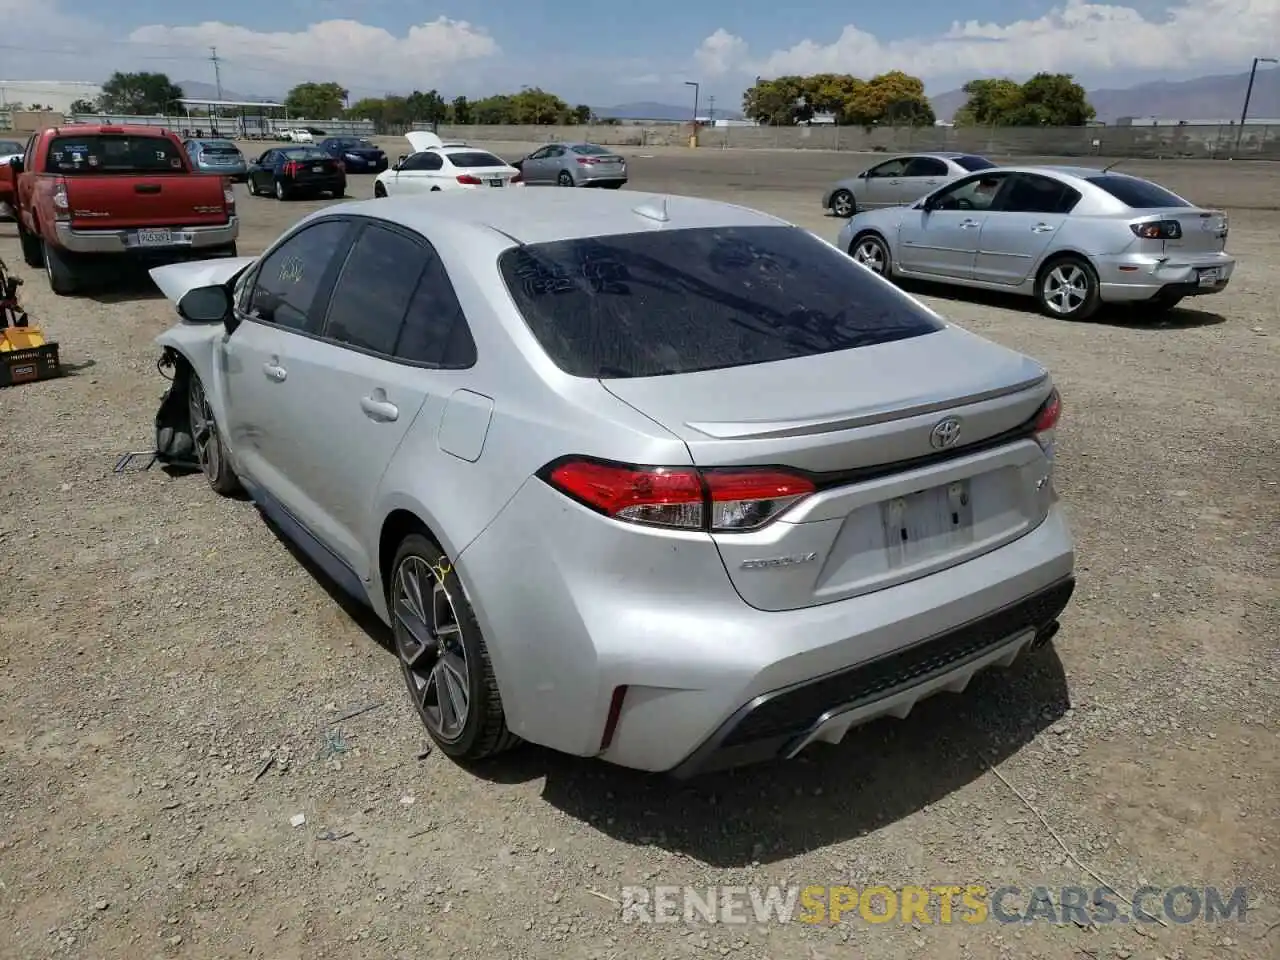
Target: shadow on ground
point(881, 773)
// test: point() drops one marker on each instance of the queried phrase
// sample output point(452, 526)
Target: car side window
point(432, 161)
point(373, 291)
point(435, 329)
point(266, 158)
point(555, 151)
point(1032, 193)
point(925, 167)
point(974, 193)
point(291, 278)
point(540, 154)
point(890, 168)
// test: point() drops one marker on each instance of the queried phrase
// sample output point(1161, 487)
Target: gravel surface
point(159, 645)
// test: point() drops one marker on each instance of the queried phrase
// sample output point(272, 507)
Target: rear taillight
point(228, 195)
point(469, 180)
point(586, 161)
point(684, 498)
point(61, 205)
point(1157, 230)
point(291, 168)
point(1046, 422)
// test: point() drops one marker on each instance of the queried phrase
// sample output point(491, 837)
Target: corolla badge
point(945, 433)
point(767, 563)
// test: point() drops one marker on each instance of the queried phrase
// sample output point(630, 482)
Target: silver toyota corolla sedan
point(574, 165)
point(1072, 237)
point(652, 478)
point(899, 180)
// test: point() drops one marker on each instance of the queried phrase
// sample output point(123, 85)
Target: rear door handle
point(1041, 228)
point(968, 224)
point(379, 408)
point(274, 371)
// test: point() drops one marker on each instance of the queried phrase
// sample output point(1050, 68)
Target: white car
point(299, 136)
point(435, 166)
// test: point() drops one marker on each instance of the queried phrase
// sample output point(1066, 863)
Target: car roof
point(543, 216)
point(115, 129)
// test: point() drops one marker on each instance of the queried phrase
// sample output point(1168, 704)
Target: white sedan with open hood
point(434, 167)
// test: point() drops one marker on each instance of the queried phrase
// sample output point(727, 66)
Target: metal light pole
point(1244, 112)
point(691, 83)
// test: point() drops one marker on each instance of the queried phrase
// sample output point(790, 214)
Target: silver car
point(217, 156)
point(679, 498)
point(1072, 237)
point(574, 165)
point(899, 180)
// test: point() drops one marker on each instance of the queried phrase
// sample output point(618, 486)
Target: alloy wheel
point(204, 430)
point(429, 643)
point(279, 190)
point(870, 253)
point(1066, 289)
point(842, 204)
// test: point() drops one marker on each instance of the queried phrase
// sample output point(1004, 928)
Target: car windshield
point(973, 164)
point(304, 153)
point(679, 301)
point(475, 159)
point(11, 146)
point(1139, 194)
point(98, 153)
point(590, 150)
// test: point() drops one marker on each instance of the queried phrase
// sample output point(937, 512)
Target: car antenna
point(655, 210)
point(1107, 168)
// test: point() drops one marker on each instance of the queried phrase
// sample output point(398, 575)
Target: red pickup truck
point(90, 195)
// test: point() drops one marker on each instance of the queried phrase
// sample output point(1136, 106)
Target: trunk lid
point(151, 200)
point(1203, 231)
point(893, 501)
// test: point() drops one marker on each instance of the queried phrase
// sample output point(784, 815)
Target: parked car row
point(1072, 237)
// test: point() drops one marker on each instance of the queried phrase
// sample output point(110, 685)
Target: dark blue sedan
point(357, 154)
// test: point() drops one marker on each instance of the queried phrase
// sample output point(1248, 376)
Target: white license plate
point(317, 169)
point(497, 183)
point(1209, 278)
point(154, 238)
point(922, 525)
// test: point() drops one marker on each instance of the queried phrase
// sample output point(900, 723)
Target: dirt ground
point(158, 645)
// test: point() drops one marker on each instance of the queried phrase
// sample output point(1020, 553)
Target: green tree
point(369, 108)
point(1050, 99)
point(495, 109)
point(460, 110)
point(83, 106)
point(533, 105)
point(140, 94)
point(316, 101)
point(581, 114)
point(426, 107)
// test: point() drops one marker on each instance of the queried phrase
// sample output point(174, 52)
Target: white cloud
point(1077, 37)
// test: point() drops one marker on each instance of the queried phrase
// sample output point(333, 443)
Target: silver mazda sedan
point(651, 478)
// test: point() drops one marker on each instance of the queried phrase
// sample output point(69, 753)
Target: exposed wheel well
point(398, 525)
point(867, 233)
point(1061, 255)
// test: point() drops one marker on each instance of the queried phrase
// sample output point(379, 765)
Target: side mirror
point(17, 166)
point(205, 305)
point(400, 160)
point(929, 204)
point(865, 174)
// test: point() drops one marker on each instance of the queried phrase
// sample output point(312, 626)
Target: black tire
point(252, 186)
point(283, 192)
point(435, 189)
point(565, 179)
point(483, 733)
point(32, 254)
point(207, 440)
point(871, 251)
point(843, 204)
point(1067, 289)
point(63, 277)
point(379, 190)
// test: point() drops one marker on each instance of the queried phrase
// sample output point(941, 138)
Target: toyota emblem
point(945, 433)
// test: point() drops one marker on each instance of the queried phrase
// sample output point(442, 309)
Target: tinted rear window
point(108, 153)
point(974, 163)
point(664, 302)
point(304, 153)
point(1139, 194)
point(222, 149)
point(590, 150)
point(475, 159)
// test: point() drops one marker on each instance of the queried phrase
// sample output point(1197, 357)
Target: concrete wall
point(26, 122)
point(1199, 142)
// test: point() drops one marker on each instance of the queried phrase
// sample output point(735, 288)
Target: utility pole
point(217, 73)
point(1248, 94)
point(711, 110)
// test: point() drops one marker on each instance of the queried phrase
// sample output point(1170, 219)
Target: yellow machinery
point(25, 354)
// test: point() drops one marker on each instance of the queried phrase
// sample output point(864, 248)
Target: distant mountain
point(207, 91)
point(1204, 98)
point(647, 110)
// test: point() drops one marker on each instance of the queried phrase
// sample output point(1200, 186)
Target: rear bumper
point(126, 241)
point(599, 179)
point(320, 184)
point(1134, 278)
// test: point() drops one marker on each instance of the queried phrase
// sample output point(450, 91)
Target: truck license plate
point(154, 238)
point(496, 183)
point(317, 169)
point(1209, 278)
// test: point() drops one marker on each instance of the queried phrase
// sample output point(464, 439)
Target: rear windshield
point(11, 146)
point(351, 144)
point(304, 153)
point(974, 163)
point(475, 159)
point(1139, 194)
point(108, 153)
point(590, 150)
point(665, 302)
point(220, 148)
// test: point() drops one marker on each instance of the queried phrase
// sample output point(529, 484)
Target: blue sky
point(604, 53)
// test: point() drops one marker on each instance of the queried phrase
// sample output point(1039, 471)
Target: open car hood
point(422, 140)
point(175, 279)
